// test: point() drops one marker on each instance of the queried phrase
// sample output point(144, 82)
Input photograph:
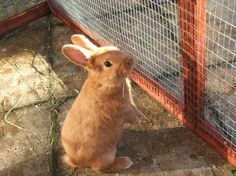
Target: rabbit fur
point(95, 121)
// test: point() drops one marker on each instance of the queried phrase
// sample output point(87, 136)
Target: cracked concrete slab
point(25, 149)
point(71, 74)
point(25, 73)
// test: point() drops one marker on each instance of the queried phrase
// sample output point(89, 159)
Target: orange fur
point(95, 121)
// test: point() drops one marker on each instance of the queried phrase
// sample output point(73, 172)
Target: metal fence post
point(193, 42)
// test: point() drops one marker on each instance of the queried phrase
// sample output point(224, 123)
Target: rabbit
point(95, 121)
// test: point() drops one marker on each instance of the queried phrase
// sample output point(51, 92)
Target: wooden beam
point(24, 18)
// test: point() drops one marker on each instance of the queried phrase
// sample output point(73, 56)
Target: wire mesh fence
point(221, 67)
point(188, 47)
point(147, 30)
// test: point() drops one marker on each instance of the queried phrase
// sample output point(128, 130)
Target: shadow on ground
point(174, 151)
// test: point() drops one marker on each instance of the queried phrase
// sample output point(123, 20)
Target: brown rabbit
point(95, 121)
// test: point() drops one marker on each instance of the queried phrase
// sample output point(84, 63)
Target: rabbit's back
point(94, 122)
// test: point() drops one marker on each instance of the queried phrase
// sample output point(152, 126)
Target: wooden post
point(24, 18)
point(193, 41)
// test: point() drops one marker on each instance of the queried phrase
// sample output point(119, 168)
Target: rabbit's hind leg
point(120, 163)
point(104, 161)
point(69, 161)
point(108, 163)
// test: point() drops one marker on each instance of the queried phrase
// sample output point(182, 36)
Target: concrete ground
point(38, 86)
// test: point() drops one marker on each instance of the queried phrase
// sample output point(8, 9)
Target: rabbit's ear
point(82, 41)
point(76, 54)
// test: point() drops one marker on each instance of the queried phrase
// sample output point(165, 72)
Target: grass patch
point(233, 171)
point(55, 104)
point(54, 131)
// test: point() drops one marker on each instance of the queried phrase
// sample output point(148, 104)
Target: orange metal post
point(193, 40)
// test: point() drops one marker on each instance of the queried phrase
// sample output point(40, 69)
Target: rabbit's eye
point(107, 64)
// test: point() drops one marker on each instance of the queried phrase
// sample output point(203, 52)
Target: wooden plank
point(24, 18)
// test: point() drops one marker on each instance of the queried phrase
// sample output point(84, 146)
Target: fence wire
point(221, 67)
point(150, 31)
point(147, 30)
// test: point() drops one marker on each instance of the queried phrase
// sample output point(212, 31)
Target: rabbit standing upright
point(95, 121)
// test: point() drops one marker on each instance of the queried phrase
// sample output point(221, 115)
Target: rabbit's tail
point(120, 163)
point(69, 161)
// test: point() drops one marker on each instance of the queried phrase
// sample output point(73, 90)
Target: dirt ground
point(38, 86)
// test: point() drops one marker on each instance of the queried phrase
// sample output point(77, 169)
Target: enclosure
point(185, 52)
